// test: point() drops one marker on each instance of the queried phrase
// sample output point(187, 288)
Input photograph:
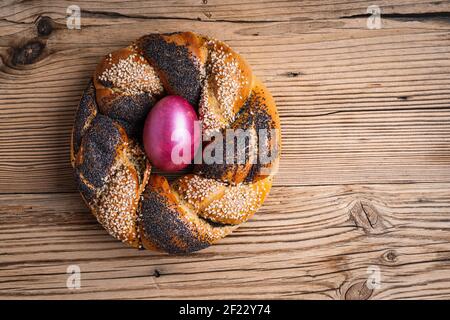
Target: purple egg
point(169, 139)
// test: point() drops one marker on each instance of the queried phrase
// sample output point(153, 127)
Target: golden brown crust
point(112, 172)
point(170, 226)
point(191, 41)
point(86, 112)
point(226, 87)
point(221, 203)
point(126, 88)
point(261, 106)
point(179, 60)
point(257, 115)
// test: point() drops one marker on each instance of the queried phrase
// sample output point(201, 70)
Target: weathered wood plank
point(214, 10)
point(364, 178)
point(307, 242)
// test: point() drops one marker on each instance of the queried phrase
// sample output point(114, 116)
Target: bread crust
point(112, 172)
point(118, 96)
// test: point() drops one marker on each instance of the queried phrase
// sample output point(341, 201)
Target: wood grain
point(365, 173)
point(307, 242)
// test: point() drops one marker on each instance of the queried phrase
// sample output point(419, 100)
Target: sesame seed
point(115, 203)
point(225, 76)
point(133, 76)
point(231, 202)
point(237, 203)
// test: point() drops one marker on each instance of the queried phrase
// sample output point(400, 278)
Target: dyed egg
point(169, 139)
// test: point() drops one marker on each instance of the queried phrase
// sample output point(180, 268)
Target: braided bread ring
point(112, 172)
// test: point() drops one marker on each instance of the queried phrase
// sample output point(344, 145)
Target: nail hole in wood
point(292, 74)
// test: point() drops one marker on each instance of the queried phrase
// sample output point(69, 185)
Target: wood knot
point(44, 26)
point(390, 256)
point(28, 53)
point(367, 217)
point(358, 291)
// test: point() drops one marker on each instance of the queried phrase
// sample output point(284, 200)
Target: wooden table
point(364, 184)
